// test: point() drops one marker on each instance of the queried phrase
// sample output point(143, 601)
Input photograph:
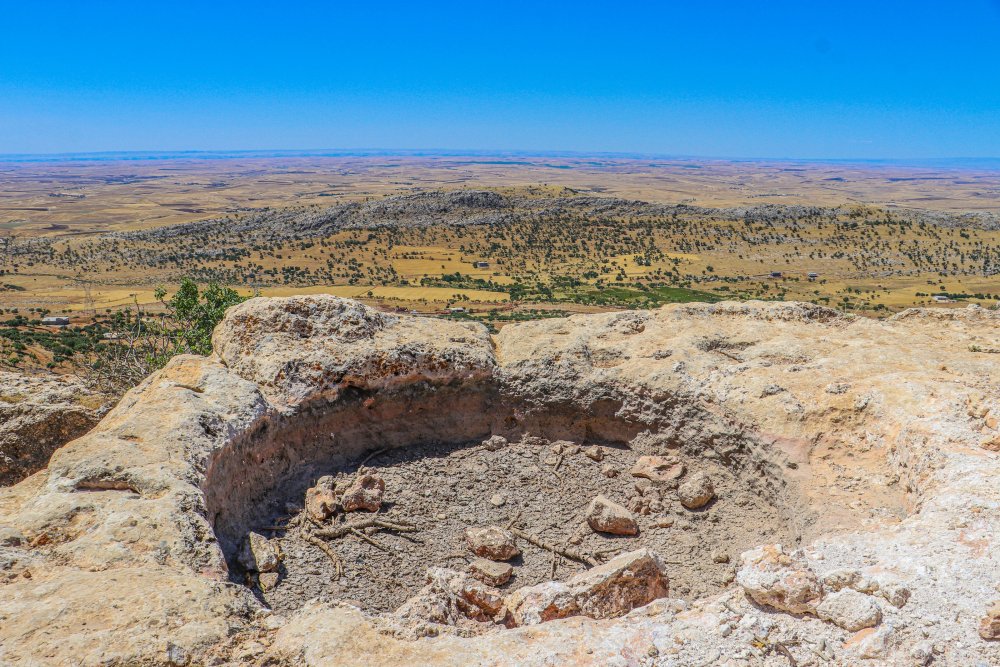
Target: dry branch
point(361, 536)
point(339, 531)
point(357, 472)
point(571, 554)
point(338, 564)
point(783, 650)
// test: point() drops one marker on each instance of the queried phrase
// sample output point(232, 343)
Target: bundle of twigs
point(320, 535)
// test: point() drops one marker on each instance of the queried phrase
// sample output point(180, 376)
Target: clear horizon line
point(458, 152)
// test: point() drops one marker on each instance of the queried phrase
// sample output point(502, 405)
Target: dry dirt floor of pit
point(445, 489)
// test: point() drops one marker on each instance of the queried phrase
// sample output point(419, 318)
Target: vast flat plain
point(74, 196)
point(75, 203)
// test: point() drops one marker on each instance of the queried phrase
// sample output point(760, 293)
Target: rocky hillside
point(429, 209)
point(326, 444)
point(485, 207)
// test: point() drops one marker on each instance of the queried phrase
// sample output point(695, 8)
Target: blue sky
point(812, 79)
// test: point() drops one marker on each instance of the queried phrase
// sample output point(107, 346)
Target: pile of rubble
point(353, 535)
point(470, 601)
point(452, 598)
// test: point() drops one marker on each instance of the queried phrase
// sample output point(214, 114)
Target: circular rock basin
point(538, 477)
point(867, 449)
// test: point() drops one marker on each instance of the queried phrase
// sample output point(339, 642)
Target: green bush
point(193, 314)
point(139, 343)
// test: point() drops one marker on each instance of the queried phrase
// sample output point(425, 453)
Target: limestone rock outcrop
point(39, 414)
point(780, 579)
point(450, 599)
point(492, 542)
point(609, 590)
point(364, 493)
point(490, 572)
point(623, 583)
point(321, 499)
point(119, 551)
point(547, 601)
point(659, 469)
point(607, 516)
point(850, 610)
point(315, 347)
point(696, 491)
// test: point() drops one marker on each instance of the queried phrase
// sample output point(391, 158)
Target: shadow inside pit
point(444, 488)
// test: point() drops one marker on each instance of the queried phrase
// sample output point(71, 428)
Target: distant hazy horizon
point(984, 163)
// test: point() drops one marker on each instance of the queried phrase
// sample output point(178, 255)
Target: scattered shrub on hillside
point(139, 342)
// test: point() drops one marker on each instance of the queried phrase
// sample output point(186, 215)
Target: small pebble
point(490, 572)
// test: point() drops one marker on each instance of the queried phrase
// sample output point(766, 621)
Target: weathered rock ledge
point(38, 414)
point(118, 552)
